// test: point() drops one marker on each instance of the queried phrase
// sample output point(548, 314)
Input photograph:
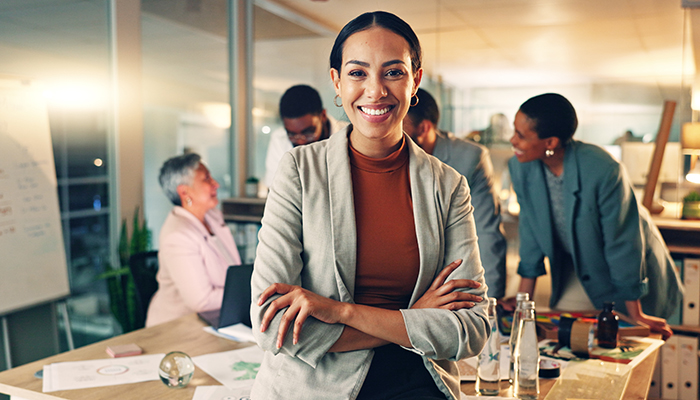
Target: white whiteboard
point(32, 257)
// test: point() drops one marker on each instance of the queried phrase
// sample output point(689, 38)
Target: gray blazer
point(474, 162)
point(308, 238)
point(619, 254)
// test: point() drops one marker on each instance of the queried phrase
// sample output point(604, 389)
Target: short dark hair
point(381, 19)
point(552, 115)
point(176, 171)
point(426, 108)
point(300, 100)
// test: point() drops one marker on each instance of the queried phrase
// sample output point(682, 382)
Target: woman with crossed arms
point(354, 295)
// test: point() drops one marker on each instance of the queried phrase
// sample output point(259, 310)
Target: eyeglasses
point(304, 135)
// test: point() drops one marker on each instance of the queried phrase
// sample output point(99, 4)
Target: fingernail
point(480, 299)
point(262, 328)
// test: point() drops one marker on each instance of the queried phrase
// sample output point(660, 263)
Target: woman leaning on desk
point(356, 243)
point(195, 247)
point(577, 208)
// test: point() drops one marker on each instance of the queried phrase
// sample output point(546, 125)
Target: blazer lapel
point(537, 188)
point(571, 191)
point(425, 214)
point(342, 214)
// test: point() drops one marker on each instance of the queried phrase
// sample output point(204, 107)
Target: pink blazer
point(192, 271)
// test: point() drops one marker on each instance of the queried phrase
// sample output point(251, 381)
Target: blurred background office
point(131, 83)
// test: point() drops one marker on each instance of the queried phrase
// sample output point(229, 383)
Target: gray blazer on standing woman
point(308, 238)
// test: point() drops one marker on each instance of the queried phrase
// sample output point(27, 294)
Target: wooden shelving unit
point(681, 236)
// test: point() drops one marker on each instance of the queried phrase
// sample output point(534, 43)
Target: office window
point(64, 45)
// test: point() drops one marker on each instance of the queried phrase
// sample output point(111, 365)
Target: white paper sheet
point(234, 369)
point(238, 332)
point(221, 393)
point(104, 372)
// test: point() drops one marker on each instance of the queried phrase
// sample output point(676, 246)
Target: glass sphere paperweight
point(176, 369)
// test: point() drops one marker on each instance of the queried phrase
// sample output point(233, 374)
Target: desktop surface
point(186, 334)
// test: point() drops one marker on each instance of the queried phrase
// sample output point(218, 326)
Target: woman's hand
point(656, 325)
point(302, 303)
point(508, 304)
point(445, 295)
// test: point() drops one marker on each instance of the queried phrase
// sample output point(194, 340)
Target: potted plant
point(691, 206)
point(120, 283)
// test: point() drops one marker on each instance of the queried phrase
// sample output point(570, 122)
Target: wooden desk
point(637, 385)
point(186, 334)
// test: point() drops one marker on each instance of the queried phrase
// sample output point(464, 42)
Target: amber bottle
point(607, 326)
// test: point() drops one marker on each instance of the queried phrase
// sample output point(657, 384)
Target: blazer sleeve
point(487, 217)
point(531, 263)
point(622, 236)
point(279, 260)
point(182, 254)
point(453, 335)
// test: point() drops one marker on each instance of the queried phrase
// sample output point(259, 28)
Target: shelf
point(681, 236)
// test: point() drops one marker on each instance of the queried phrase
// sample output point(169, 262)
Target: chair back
point(143, 267)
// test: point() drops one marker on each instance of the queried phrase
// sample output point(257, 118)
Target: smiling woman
point(195, 247)
point(367, 245)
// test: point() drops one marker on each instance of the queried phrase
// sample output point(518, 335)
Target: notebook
point(235, 307)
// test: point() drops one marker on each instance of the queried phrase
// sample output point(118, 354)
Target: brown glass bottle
point(607, 326)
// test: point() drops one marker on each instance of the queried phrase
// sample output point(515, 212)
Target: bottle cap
point(549, 368)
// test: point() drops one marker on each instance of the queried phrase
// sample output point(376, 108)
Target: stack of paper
point(237, 332)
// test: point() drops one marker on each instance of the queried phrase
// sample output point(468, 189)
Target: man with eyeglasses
point(305, 121)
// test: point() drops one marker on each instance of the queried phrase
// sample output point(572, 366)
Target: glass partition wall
point(64, 47)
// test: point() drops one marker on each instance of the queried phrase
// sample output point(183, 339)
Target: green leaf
point(120, 282)
point(692, 196)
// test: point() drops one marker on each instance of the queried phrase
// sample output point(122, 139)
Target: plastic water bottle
point(519, 298)
point(488, 369)
point(527, 356)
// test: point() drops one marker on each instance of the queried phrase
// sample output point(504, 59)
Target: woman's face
point(203, 189)
point(527, 146)
point(376, 83)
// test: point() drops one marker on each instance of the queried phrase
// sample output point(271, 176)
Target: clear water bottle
point(488, 369)
point(519, 299)
point(527, 356)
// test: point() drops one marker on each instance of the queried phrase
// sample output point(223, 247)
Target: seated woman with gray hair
point(195, 246)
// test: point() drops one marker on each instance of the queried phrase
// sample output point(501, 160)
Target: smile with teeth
point(372, 111)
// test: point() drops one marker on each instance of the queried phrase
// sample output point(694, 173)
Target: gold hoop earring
point(549, 153)
point(335, 101)
point(417, 100)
